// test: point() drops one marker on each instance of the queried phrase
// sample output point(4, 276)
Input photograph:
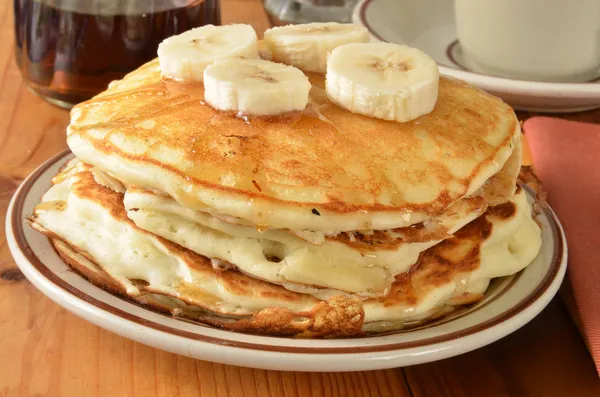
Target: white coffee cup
point(551, 40)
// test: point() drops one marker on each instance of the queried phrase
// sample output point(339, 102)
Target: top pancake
point(321, 169)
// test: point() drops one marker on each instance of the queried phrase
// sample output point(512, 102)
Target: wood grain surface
point(46, 351)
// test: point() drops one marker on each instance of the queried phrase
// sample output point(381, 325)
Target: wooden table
point(46, 351)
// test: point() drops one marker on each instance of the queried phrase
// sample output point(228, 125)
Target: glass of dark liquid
point(69, 50)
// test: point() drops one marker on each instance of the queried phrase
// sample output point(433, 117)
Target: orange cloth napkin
point(566, 158)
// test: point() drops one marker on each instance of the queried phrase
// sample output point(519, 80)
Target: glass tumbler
point(69, 50)
point(283, 12)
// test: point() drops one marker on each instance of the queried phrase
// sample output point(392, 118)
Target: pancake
point(91, 218)
point(91, 230)
point(458, 270)
point(323, 169)
point(363, 264)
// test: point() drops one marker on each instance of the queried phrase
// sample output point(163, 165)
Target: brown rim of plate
point(17, 226)
point(455, 64)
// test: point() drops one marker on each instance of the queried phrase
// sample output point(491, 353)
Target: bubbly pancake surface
point(94, 234)
point(363, 263)
point(322, 169)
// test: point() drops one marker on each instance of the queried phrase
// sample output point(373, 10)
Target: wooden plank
point(546, 358)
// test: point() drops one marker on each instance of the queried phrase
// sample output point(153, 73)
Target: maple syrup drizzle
point(47, 206)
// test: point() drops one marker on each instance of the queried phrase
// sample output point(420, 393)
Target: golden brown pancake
point(315, 223)
point(360, 263)
point(91, 231)
point(321, 169)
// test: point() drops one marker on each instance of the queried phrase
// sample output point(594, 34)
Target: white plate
point(509, 304)
point(429, 25)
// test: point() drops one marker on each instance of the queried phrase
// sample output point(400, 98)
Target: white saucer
point(509, 304)
point(429, 25)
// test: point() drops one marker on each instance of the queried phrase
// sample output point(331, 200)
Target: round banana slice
point(383, 80)
point(255, 87)
point(185, 56)
point(307, 46)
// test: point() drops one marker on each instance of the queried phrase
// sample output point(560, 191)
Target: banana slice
point(255, 87)
point(382, 80)
point(185, 56)
point(307, 46)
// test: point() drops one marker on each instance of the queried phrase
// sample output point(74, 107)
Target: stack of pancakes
point(317, 223)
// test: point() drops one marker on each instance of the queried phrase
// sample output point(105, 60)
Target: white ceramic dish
point(429, 25)
point(509, 304)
